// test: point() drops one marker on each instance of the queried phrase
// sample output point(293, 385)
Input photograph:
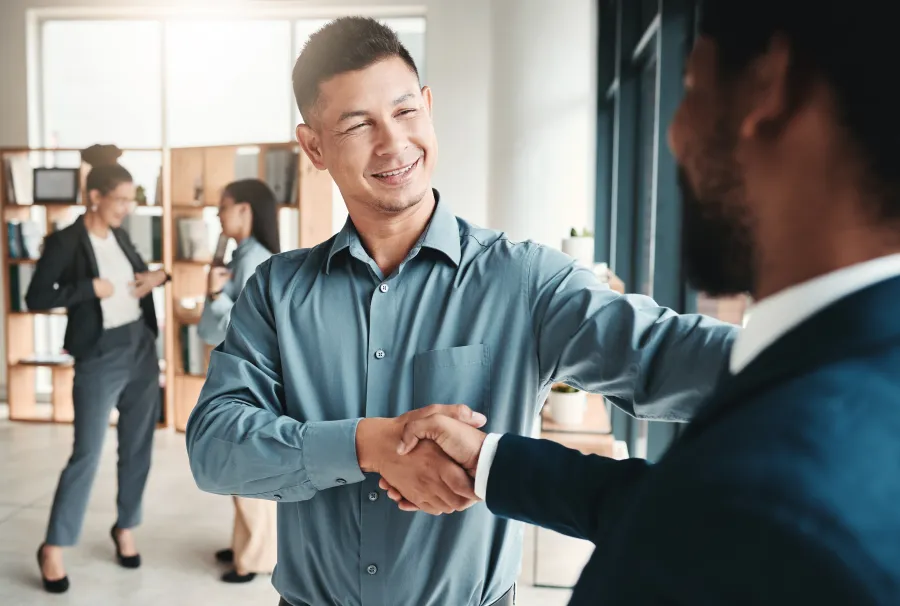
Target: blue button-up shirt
point(319, 338)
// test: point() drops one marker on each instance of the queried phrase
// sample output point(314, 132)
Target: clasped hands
point(426, 457)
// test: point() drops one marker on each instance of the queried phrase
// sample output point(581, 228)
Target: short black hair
point(344, 45)
point(852, 46)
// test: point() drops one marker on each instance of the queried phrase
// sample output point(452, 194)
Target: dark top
point(64, 277)
point(783, 491)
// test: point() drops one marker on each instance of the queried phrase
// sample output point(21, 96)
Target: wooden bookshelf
point(194, 179)
point(23, 361)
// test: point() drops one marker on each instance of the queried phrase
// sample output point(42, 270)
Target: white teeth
point(394, 173)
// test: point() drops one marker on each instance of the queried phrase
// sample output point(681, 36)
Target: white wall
point(543, 116)
point(514, 86)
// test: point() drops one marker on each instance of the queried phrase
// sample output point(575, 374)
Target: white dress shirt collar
point(773, 317)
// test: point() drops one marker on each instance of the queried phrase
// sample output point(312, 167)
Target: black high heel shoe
point(58, 586)
point(124, 561)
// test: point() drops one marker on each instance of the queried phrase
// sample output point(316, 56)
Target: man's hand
point(145, 282)
point(428, 479)
point(460, 441)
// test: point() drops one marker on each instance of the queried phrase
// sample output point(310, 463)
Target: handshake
point(426, 458)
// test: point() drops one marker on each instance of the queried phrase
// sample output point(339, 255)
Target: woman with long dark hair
point(248, 213)
point(93, 270)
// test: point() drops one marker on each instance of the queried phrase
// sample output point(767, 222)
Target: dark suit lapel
point(87, 248)
point(128, 248)
point(855, 325)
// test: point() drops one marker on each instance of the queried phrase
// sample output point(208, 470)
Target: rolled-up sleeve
point(648, 360)
point(239, 439)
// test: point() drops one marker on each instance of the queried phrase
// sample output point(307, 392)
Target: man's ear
point(429, 99)
point(312, 144)
point(771, 90)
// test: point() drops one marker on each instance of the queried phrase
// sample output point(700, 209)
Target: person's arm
point(646, 359)
point(45, 290)
point(239, 439)
point(546, 484)
point(217, 308)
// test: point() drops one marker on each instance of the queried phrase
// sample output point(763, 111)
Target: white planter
point(567, 408)
point(581, 249)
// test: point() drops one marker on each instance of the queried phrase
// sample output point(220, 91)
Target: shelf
point(46, 363)
point(199, 262)
point(49, 312)
point(21, 261)
point(194, 206)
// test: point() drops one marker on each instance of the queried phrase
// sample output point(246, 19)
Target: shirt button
point(341, 481)
point(380, 354)
point(373, 496)
point(372, 569)
point(384, 288)
point(277, 497)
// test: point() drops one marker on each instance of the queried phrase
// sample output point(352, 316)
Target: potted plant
point(580, 246)
point(567, 404)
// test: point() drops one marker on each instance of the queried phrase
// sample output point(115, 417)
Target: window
point(100, 82)
point(227, 82)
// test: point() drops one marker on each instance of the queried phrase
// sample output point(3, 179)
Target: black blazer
point(783, 491)
point(64, 277)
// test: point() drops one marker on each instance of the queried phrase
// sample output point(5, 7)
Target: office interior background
point(551, 115)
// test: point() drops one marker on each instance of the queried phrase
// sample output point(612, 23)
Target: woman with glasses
point(248, 213)
point(92, 269)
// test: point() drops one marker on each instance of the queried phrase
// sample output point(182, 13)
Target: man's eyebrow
point(360, 113)
point(403, 98)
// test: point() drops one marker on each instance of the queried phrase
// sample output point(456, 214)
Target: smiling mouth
point(398, 173)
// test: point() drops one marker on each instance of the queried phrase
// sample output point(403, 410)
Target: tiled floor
point(183, 527)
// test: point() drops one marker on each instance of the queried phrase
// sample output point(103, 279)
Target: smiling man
point(332, 350)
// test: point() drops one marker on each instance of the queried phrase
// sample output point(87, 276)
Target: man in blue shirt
point(331, 350)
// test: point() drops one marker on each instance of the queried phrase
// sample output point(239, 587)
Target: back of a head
point(106, 173)
point(344, 45)
point(851, 47)
point(264, 207)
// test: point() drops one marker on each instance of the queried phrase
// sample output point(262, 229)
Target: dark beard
point(717, 246)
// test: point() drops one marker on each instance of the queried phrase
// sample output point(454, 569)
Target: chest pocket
point(459, 375)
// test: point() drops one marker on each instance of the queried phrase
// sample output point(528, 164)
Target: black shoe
point(58, 586)
point(234, 577)
point(225, 556)
point(124, 561)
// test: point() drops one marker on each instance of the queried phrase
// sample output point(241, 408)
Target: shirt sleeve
point(646, 359)
point(239, 439)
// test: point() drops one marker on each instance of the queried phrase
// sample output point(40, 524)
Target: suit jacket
point(784, 490)
point(64, 277)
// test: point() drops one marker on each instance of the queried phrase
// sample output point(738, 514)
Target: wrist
point(373, 437)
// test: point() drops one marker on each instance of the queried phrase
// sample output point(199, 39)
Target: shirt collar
point(773, 317)
point(441, 234)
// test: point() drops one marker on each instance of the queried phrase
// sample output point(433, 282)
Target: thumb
point(428, 428)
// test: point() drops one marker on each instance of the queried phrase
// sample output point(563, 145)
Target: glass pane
point(101, 83)
point(649, 10)
point(228, 82)
point(645, 230)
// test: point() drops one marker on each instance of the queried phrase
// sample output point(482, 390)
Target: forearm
point(545, 484)
point(236, 448)
point(42, 296)
point(214, 319)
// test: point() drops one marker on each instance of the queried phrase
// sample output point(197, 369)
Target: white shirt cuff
point(485, 460)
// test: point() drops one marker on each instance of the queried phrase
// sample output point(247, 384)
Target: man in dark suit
point(786, 488)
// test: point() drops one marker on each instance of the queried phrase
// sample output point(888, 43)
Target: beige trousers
point(255, 535)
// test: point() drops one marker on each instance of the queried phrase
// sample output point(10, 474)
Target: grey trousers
point(123, 372)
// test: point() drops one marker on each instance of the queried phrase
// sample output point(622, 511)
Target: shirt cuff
point(485, 460)
point(329, 453)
